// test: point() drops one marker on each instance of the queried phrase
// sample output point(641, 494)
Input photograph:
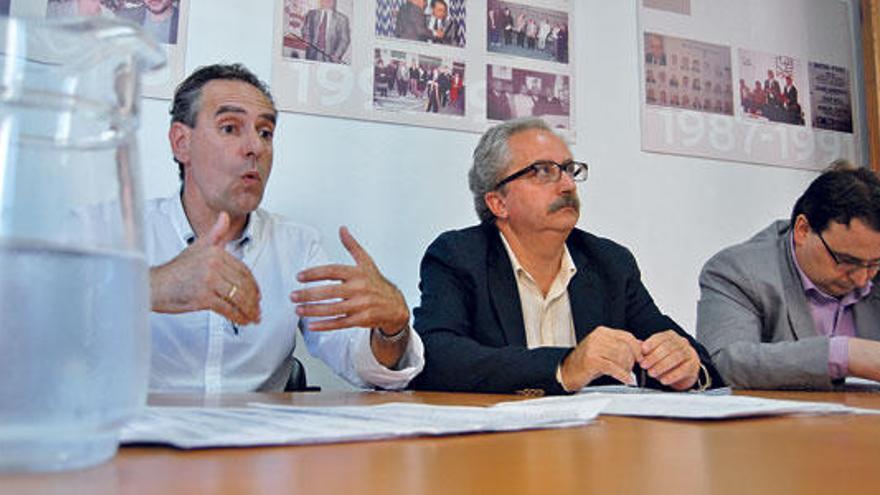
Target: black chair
point(297, 380)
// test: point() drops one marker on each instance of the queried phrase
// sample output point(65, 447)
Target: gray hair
point(491, 158)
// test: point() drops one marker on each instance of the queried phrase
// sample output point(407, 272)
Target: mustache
point(566, 201)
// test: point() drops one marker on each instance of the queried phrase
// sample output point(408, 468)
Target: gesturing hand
point(205, 276)
point(362, 298)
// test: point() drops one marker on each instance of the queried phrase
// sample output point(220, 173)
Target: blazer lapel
point(503, 291)
point(802, 325)
point(585, 295)
point(866, 315)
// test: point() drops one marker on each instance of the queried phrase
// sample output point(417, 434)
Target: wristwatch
point(704, 380)
point(394, 337)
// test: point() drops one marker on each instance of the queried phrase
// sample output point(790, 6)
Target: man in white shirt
point(230, 282)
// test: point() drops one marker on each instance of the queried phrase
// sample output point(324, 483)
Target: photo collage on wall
point(712, 89)
point(414, 79)
point(455, 64)
point(523, 32)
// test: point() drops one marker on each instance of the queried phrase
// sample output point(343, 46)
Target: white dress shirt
point(201, 351)
point(547, 319)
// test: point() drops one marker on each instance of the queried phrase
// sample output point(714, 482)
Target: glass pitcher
point(74, 287)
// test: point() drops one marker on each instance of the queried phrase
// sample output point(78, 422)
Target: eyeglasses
point(547, 171)
point(849, 263)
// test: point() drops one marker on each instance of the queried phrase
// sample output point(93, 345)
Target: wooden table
point(826, 454)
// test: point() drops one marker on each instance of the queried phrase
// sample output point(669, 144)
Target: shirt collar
point(185, 231)
point(566, 267)
point(811, 289)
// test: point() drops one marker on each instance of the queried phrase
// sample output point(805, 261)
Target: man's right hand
point(205, 276)
point(864, 358)
point(605, 351)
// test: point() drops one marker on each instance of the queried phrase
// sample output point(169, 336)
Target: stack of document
point(629, 401)
point(265, 424)
point(268, 424)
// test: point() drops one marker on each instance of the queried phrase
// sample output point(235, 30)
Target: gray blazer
point(754, 320)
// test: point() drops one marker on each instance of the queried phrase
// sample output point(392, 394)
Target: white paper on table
point(690, 406)
point(854, 384)
point(630, 389)
point(269, 424)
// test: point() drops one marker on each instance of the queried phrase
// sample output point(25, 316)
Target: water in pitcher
point(72, 321)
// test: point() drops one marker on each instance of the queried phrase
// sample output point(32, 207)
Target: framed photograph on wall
point(778, 93)
point(434, 63)
point(163, 20)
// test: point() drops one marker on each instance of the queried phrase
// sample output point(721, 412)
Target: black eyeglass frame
point(569, 167)
point(849, 265)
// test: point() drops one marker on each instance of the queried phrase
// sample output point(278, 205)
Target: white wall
point(399, 187)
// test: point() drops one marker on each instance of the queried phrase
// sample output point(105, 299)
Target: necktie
point(322, 32)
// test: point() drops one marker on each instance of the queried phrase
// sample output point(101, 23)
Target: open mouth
point(251, 177)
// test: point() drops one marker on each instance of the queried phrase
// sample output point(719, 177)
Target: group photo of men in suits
point(527, 31)
point(769, 88)
point(772, 100)
point(687, 74)
point(514, 93)
point(407, 82)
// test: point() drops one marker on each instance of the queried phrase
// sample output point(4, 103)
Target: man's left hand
point(670, 358)
point(362, 298)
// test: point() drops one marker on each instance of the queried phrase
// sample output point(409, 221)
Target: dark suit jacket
point(410, 24)
point(470, 317)
point(338, 36)
point(791, 95)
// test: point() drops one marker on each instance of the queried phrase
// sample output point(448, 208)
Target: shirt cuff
point(838, 357)
point(559, 378)
point(375, 374)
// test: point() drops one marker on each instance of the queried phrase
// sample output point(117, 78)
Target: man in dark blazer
point(795, 306)
point(526, 303)
point(327, 33)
